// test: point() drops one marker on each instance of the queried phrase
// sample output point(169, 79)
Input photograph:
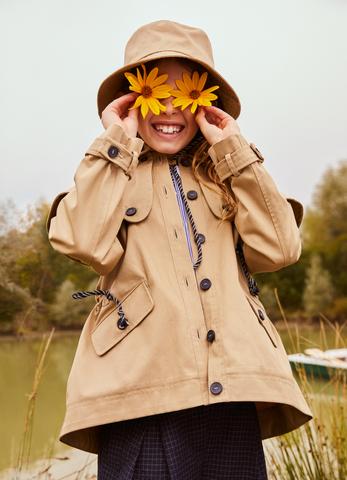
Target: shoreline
point(279, 324)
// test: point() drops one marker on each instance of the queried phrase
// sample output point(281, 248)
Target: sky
point(286, 60)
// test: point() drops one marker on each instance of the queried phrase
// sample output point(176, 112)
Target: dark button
point(201, 237)
point(216, 388)
point(261, 315)
point(185, 162)
point(131, 211)
point(113, 151)
point(205, 283)
point(211, 335)
point(192, 194)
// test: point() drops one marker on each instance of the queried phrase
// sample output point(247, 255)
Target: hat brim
point(111, 86)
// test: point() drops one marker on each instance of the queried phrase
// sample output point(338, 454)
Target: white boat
point(321, 363)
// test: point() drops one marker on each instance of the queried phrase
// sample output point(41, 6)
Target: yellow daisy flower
point(151, 88)
point(191, 91)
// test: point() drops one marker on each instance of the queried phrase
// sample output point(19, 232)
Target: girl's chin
point(167, 145)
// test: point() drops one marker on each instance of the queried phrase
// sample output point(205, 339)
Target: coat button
point(205, 283)
point(261, 315)
point(185, 162)
point(211, 335)
point(131, 211)
point(113, 151)
point(192, 194)
point(216, 388)
point(201, 237)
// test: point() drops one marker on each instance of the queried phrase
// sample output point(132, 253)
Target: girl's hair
point(197, 149)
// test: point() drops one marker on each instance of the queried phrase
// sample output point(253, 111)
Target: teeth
point(168, 129)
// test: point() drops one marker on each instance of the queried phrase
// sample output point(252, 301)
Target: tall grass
point(315, 451)
point(318, 449)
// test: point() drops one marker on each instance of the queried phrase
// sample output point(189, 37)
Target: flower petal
point(144, 73)
point(161, 92)
point(204, 101)
point(186, 105)
point(132, 79)
point(153, 106)
point(194, 106)
point(211, 89)
point(139, 78)
point(187, 81)
point(159, 80)
point(181, 86)
point(136, 89)
point(195, 80)
point(181, 100)
point(152, 75)
point(144, 108)
point(202, 81)
point(137, 103)
point(178, 93)
point(209, 96)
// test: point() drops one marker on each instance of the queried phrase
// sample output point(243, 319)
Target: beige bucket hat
point(163, 39)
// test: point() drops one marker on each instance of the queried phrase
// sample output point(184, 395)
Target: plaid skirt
point(210, 442)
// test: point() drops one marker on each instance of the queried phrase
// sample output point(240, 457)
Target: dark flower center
point(194, 94)
point(146, 91)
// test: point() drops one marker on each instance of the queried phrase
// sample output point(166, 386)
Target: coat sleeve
point(267, 222)
point(84, 221)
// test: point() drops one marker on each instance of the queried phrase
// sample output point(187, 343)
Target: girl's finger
point(123, 100)
point(200, 116)
point(217, 112)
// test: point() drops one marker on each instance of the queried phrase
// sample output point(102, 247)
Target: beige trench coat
point(122, 218)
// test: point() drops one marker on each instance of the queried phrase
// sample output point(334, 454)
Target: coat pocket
point(137, 304)
point(263, 319)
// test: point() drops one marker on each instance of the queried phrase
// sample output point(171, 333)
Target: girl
point(179, 373)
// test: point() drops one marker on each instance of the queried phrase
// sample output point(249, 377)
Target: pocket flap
point(136, 306)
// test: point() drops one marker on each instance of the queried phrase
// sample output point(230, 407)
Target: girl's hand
point(215, 124)
point(117, 112)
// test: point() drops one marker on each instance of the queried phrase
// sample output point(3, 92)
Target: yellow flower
point(151, 88)
point(191, 92)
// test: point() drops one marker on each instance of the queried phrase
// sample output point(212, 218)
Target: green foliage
point(31, 270)
point(66, 312)
point(326, 219)
point(318, 293)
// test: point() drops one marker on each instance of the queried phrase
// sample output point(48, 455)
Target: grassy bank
point(317, 450)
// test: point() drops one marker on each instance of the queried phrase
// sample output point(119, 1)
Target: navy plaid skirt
point(210, 442)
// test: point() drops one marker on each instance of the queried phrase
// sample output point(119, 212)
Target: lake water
point(17, 366)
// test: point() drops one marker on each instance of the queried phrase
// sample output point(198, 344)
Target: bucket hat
point(164, 39)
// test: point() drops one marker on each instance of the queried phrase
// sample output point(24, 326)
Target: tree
point(318, 293)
